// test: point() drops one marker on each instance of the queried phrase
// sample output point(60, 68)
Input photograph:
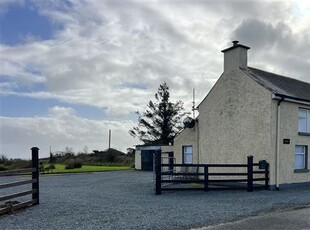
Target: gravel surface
point(126, 200)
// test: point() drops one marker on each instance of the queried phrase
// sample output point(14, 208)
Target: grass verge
point(60, 168)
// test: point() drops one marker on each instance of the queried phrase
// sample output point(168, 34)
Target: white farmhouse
point(252, 112)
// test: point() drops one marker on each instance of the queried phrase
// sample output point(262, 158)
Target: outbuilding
point(144, 155)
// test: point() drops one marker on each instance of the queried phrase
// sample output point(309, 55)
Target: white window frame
point(306, 117)
point(304, 154)
point(185, 154)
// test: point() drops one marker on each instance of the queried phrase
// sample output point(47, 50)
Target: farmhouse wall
point(189, 136)
point(289, 130)
point(235, 120)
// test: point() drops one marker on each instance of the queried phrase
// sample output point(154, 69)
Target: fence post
point(158, 172)
point(206, 178)
point(250, 174)
point(267, 177)
point(35, 174)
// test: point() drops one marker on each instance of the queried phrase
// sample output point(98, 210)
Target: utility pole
point(51, 155)
point(109, 139)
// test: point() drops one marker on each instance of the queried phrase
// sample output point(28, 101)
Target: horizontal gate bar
point(18, 183)
point(183, 181)
point(19, 194)
point(16, 171)
point(180, 174)
point(227, 174)
point(204, 165)
point(229, 180)
point(174, 189)
point(259, 179)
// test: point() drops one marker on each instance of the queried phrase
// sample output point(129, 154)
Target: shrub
point(77, 165)
point(2, 168)
point(3, 159)
point(52, 166)
point(41, 168)
point(73, 165)
point(69, 166)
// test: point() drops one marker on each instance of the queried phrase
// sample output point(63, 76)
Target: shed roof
point(280, 85)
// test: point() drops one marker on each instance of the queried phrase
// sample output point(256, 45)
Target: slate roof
point(280, 85)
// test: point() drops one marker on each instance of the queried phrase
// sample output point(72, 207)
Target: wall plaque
point(286, 141)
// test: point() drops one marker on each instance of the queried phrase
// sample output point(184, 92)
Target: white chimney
point(235, 57)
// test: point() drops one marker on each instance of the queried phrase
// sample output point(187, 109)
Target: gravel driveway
point(126, 200)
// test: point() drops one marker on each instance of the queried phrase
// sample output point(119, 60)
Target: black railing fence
point(211, 176)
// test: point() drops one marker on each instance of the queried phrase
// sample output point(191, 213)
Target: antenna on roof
point(188, 121)
point(193, 108)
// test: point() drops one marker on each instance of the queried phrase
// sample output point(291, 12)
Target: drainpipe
point(278, 144)
point(198, 147)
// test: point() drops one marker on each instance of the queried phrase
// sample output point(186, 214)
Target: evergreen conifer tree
point(161, 121)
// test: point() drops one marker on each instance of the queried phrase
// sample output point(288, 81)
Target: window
point(300, 157)
point(304, 121)
point(188, 154)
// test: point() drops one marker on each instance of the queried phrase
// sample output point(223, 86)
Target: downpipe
point(278, 144)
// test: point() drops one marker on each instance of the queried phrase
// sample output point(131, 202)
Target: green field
point(60, 168)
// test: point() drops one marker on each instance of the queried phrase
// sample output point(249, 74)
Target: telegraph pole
point(109, 138)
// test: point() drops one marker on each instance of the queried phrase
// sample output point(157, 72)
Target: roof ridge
point(279, 84)
point(277, 74)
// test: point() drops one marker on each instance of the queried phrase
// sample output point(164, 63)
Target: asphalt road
point(297, 219)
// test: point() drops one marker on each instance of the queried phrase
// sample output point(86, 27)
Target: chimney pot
point(235, 43)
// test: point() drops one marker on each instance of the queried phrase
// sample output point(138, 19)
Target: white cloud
point(59, 111)
point(114, 54)
point(60, 129)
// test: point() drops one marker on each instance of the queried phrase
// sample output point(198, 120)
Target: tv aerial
point(189, 122)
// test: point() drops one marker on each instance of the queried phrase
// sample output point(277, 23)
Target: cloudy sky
point(71, 70)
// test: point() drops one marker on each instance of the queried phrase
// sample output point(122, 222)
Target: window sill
point(303, 134)
point(301, 170)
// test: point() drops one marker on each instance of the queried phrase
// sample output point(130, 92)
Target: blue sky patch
point(22, 22)
point(23, 88)
point(15, 106)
